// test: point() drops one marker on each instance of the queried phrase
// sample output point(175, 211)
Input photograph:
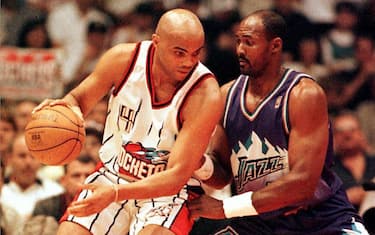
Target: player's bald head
point(181, 23)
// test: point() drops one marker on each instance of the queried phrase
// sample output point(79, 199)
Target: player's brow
point(183, 49)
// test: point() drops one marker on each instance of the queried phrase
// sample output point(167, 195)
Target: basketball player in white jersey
point(163, 108)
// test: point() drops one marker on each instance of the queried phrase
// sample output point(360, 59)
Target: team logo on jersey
point(250, 170)
point(138, 162)
point(256, 159)
point(278, 102)
point(126, 118)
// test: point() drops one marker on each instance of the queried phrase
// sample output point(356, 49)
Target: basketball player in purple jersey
point(163, 108)
point(275, 142)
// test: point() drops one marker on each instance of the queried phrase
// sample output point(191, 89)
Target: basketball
point(55, 135)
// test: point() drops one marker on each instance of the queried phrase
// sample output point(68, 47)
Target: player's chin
point(181, 75)
point(245, 70)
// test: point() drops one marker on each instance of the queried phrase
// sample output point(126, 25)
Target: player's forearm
point(164, 183)
point(291, 190)
point(283, 193)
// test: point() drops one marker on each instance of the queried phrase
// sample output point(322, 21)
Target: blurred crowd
point(332, 40)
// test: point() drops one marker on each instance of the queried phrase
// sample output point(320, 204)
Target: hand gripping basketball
point(56, 134)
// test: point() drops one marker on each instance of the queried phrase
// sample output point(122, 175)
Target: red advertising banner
point(29, 73)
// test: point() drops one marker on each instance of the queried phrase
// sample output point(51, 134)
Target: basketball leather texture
point(55, 135)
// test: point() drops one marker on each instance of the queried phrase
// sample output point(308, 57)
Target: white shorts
point(133, 215)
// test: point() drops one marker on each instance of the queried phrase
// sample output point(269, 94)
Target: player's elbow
point(176, 187)
point(307, 185)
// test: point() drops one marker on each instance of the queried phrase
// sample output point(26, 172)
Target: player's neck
point(164, 85)
point(261, 86)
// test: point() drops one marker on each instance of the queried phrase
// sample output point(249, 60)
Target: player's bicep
point(199, 116)
point(308, 138)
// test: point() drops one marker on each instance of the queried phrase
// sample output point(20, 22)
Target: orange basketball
point(55, 135)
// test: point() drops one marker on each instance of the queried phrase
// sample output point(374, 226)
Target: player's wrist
point(115, 188)
point(206, 170)
point(239, 205)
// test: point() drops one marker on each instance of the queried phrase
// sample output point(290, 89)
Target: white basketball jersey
point(140, 132)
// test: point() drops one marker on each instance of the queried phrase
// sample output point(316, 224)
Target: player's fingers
point(43, 104)
point(80, 210)
point(59, 102)
point(91, 187)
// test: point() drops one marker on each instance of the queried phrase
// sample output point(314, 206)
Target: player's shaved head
point(179, 22)
point(178, 40)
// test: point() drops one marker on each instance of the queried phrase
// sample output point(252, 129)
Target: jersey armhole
point(130, 69)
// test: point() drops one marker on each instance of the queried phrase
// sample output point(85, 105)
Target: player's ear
point(277, 45)
point(155, 38)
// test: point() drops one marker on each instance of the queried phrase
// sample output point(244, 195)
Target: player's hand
point(207, 207)
point(49, 102)
point(52, 102)
point(101, 197)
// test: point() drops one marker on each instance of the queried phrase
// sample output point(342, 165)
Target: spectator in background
point(9, 218)
point(353, 164)
point(22, 113)
point(352, 87)
point(13, 15)
point(67, 25)
point(92, 144)
point(338, 43)
point(137, 26)
point(191, 5)
point(366, 114)
point(308, 60)
point(23, 189)
point(297, 27)
point(75, 174)
point(97, 42)
point(8, 130)
point(223, 15)
point(34, 34)
point(220, 43)
point(41, 225)
point(321, 13)
point(97, 116)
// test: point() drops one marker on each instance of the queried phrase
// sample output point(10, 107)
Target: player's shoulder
point(116, 60)
point(122, 51)
point(307, 88)
point(210, 88)
point(226, 87)
point(307, 93)
point(206, 92)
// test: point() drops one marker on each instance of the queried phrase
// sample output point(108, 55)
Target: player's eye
point(179, 53)
point(195, 54)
